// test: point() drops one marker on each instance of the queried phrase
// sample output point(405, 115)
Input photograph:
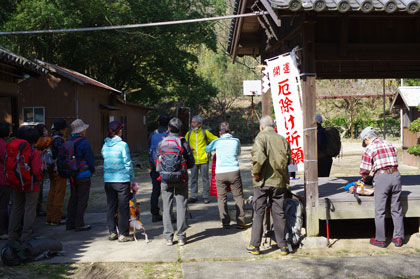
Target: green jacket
point(270, 158)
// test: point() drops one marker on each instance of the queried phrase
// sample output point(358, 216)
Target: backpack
point(333, 146)
point(293, 209)
point(17, 168)
point(67, 164)
point(171, 163)
point(47, 159)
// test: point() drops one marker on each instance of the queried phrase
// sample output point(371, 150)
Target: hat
point(198, 118)
point(78, 126)
point(59, 124)
point(163, 119)
point(115, 126)
point(318, 118)
point(367, 132)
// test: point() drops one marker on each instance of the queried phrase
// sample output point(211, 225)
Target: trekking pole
point(327, 213)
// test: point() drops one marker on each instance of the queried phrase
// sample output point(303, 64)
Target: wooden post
point(311, 155)
point(310, 129)
point(351, 117)
point(265, 99)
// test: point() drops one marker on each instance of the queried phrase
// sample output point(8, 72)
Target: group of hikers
point(27, 159)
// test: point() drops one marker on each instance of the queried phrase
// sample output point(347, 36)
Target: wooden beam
point(310, 131)
point(238, 29)
point(272, 13)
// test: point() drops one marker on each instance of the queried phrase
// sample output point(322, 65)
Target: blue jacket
point(84, 153)
point(154, 140)
point(227, 150)
point(117, 161)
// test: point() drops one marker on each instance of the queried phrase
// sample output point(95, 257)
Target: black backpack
point(67, 164)
point(171, 163)
point(333, 146)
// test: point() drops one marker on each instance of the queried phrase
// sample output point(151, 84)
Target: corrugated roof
point(14, 59)
point(76, 76)
point(409, 94)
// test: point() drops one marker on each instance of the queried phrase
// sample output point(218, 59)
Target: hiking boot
point(241, 226)
point(284, 251)
point(169, 242)
point(192, 200)
point(181, 242)
point(398, 241)
point(226, 226)
point(113, 236)
point(253, 250)
point(156, 218)
point(125, 238)
point(377, 243)
point(206, 201)
point(83, 228)
point(53, 223)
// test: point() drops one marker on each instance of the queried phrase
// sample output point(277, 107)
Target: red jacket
point(36, 170)
point(3, 145)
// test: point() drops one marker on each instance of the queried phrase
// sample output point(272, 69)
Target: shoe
point(156, 218)
point(284, 250)
point(62, 222)
point(4, 236)
point(398, 241)
point(47, 222)
point(181, 242)
point(113, 236)
point(241, 226)
point(226, 226)
point(192, 200)
point(169, 242)
point(206, 201)
point(53, 223)
point(125, 238)
point(377, 243)
point(253, 250)
point(83, 228)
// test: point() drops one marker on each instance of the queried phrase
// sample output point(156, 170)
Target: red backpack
point(17, 168)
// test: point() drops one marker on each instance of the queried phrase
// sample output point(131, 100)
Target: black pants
point(324, 166)
point(4, 208)
point(117, 198)
point(154, 198)
point(277, 211)
point(78, 202)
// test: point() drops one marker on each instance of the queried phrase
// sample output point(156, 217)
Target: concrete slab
point(354, 267)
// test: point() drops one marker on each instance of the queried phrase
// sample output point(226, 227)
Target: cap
point(59, 124)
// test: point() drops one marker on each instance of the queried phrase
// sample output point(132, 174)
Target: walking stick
point(327, 216)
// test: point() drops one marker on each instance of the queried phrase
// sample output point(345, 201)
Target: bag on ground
point(333, 147)
point(17, 168)
point(171, 163)
point(294, 221)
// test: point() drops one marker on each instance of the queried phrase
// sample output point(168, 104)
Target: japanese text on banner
point(285, 90)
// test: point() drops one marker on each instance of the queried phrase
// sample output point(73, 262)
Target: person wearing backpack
point(80, 180)
point(270, 157)
point(324, 159)
point(174, 157)
point(118, 175)
point(198, 138)
point(5, 188)
point(43, 146)
point(228, 174)
point(23, 170)
point(155, 138)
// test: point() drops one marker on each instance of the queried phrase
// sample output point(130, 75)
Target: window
point(34, 115)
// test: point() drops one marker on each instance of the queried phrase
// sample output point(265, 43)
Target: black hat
point(163, 119)
point(115, 126)
point(59, 124)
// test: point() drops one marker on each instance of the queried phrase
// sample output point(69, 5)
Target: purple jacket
point(3, 145)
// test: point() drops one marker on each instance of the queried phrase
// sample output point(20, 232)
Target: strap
point(204, 135)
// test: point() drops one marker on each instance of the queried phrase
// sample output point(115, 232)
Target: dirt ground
point(346, 242)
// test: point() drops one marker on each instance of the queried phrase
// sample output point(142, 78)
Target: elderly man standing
point(270, 159)
point(198, 138)
point(380, 158)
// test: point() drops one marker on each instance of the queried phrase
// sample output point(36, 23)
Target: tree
point(158, 60)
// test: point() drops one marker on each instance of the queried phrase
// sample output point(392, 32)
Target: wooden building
point(68, 94)
point(407, 99)
point(334, 39)
point(13, 70)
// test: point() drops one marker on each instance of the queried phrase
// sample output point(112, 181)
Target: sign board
point(286, 94)
point(252, 87)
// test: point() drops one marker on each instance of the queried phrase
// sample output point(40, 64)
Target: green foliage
point(414, 150)
point(412, 81)
point(159, 60)
point(415, 126)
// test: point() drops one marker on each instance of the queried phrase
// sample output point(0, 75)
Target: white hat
point(78, 126)
point(318, 118)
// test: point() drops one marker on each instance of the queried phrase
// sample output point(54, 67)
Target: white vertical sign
point(285, 90)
